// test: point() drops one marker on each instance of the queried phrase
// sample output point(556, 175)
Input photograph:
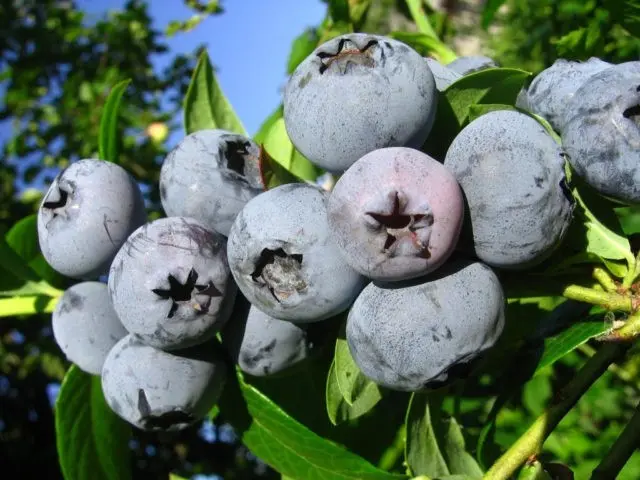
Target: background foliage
point(56, 72)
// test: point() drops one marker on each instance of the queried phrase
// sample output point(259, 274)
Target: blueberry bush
point(423, 266)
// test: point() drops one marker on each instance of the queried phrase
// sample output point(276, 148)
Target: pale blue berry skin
point(471, 63)
point(155, 390)
point(262, 345)
point(85, 325)
point(284, 260)
point(210, 175)
point(418, 335)
point(512, 173)
point(442, 74)
point(356, 93)
point(602, 135)
point(141, 290)
point(551, 91)
point(86, 215)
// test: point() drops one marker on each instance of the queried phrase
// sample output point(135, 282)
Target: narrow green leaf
point(580, 332)
point(426, 45)
point(92, 441)
point(338, 409)
point(108, 136)
point(489, 11)
point(279, 147)
point(422, 452)
point(420, 18)
point(352, 383)
point(205, 105)
point(28, 305)
point(288, 446)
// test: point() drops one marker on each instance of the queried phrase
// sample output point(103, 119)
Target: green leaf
point(604, 235)
point(435, 444)
point(352, 383)
point(339, 13)
point(92, 441)
point(629, 218)
point(627, 13)
point(489, 11)
point(580, 332)
point(108, 137)
point(279, 147)
point(476, 111)
point(486, 87)
point(302, 47)
point(489, 86)
point(263, 131)
point(26, 305)
point(422, 451)
point(426, 45)
point(272, 173)
point(288, 446)
point(23, 239)
point(205, 105)
point(339, 410)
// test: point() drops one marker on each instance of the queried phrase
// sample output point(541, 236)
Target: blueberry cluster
point(404, 244)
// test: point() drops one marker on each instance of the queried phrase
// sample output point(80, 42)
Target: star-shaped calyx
point(406, 232)
point(190, 291)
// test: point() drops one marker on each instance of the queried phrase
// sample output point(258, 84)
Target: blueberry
point(263, 345)
point(549, 93)
point(428, 332)
point(170, 283)
point(85, 325)
point(284, 260)
point(512, 174)
point(209, 176)
point(602, 135)
point(89, 211)
point(356, 93)
point(443, 75)
point(471, 63)
point(156, 390)
point(396, 214)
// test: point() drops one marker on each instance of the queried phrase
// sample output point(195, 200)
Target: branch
point(620, 451)
point(531, 442)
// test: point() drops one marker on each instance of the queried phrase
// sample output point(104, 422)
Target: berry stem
point(603, 277)
point(531, 442)
point(627, 332)
point(607, 300)
point(620, 451)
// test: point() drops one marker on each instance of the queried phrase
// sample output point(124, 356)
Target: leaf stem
point(603, 277)
point(607, 300)
point(531, 442)
point(620, 451)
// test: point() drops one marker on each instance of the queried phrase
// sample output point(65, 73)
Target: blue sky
point(249, 44)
